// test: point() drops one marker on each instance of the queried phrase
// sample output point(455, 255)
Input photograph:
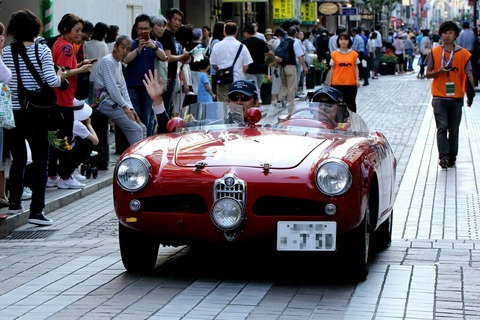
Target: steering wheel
point(328, 123)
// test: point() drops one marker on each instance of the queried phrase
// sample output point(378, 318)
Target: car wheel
point(139, 251)
point(383, 235)
point(357, 251)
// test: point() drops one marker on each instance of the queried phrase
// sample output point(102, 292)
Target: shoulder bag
point(43, 98)
point(225, 76)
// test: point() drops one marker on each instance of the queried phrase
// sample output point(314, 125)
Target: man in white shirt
point(378, 49)
point(223, 55)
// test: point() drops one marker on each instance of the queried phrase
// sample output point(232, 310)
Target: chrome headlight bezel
point(333, 177)
point(132, 173)
point(227, 208)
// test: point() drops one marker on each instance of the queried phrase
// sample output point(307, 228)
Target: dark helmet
point(327, 95)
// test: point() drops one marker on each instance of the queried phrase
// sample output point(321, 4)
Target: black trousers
point(349, 94)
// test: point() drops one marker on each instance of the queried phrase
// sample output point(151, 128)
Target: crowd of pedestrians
point(99, 69)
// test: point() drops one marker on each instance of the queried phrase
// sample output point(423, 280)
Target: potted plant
point(391, 61)
point(320, 67)
point(266, 90)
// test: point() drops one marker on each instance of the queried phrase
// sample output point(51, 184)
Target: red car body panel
point(278, 166)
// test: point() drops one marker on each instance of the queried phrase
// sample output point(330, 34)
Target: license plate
point(306, 236)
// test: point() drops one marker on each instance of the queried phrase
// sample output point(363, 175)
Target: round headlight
point(132, 173)
point(227, 214)
point(333, 178)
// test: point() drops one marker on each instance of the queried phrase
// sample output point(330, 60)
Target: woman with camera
point(70, 29)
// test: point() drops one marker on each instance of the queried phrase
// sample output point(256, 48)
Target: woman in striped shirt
point(25, 26)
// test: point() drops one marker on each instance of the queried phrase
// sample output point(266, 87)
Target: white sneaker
point(79, 176)
point(52, 182)
point(70, 183)
point(93, 153)
point(26, 195)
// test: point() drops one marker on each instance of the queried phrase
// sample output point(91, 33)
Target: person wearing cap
point(258, 51)
point(84, 136)
point(241, 92)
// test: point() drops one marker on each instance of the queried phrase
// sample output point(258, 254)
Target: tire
point(357, 249)
point(139, 251)
point(383, 235)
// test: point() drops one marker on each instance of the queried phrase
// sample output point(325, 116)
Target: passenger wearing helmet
point(330, 104)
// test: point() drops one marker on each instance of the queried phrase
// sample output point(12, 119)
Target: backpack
point(285, 51)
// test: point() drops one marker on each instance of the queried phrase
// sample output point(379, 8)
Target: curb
point(60, 199)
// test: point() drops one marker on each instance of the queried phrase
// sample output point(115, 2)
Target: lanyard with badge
point(449, 85)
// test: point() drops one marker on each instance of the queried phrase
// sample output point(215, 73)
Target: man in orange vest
point(450, 68)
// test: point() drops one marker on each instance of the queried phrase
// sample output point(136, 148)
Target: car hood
point(244, 149)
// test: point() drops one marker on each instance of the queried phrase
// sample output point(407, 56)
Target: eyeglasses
point(144, 29)
point(241, 96)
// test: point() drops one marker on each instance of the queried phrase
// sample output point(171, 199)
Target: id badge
point(450, 88)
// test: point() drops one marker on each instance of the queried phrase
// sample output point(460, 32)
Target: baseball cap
point(81, 110)
point(246, 87)
point(327, 95)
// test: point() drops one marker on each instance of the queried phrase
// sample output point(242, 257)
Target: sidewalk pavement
point(57, 198)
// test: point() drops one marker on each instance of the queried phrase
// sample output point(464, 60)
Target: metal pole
point(475, 47)
point(46, 14)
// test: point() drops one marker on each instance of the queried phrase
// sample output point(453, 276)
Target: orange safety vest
point(344, 68)
point(457, 75)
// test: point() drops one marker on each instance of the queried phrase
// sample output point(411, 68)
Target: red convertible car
point(313, 181)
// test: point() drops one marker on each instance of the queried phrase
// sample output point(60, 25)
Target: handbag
point(162, 70)
point(42, 98)
point(225, 76)
point(7, 121)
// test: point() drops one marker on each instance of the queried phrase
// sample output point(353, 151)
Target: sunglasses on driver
point(241, 96)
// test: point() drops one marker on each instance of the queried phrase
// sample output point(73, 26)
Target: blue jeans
point(448, 114)
point(142, 103)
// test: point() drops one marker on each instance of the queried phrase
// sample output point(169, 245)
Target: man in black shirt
point(258, 49)
point(174, 50)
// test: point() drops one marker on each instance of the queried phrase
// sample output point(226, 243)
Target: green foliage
point(388, 58)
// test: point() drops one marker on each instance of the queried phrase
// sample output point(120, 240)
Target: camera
point(64, 85)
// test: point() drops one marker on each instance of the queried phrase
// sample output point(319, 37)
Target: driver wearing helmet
point(330, 105)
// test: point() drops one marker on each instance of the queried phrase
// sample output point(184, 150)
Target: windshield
point(212, 113)
point(311, 115)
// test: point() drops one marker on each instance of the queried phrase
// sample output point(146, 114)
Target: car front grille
point(230, 186)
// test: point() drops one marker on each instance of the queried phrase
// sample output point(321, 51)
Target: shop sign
point(328, 8)
point(282, 10)
point(309, 13)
